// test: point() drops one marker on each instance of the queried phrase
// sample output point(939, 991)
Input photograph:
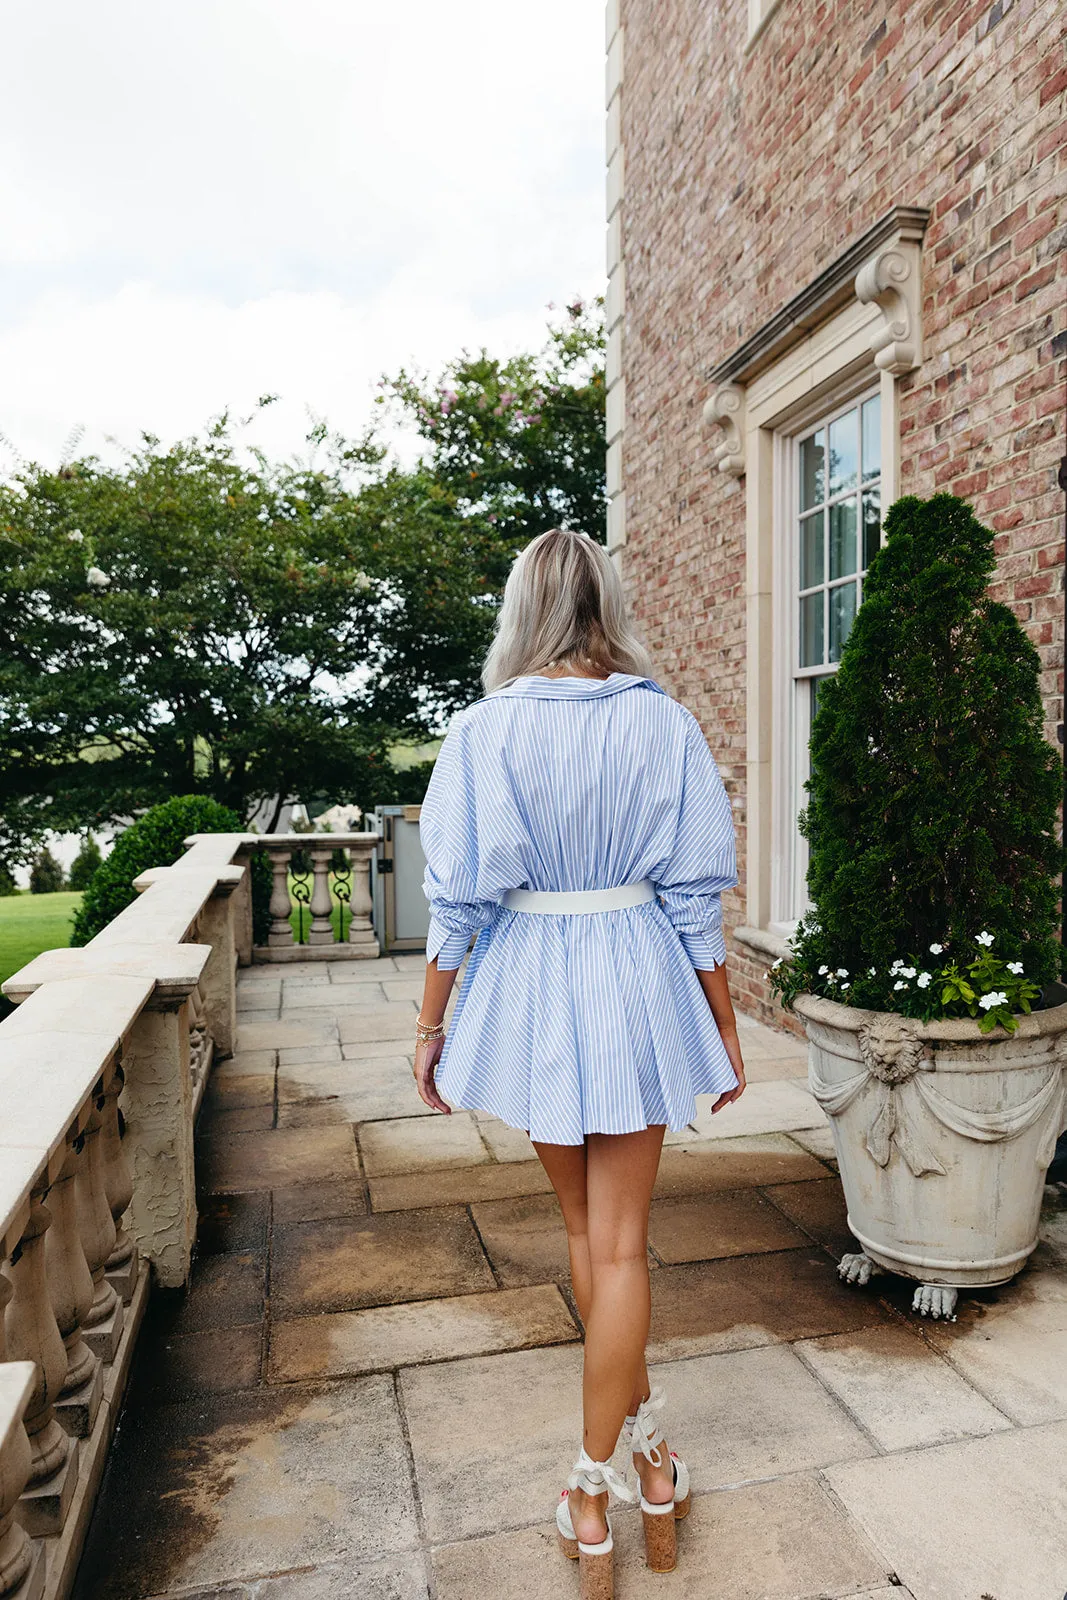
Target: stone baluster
point(70, 1285)
point(21, 1561)
point(321, 930)
point(34, 1335)
point(102, 1324)
point(360, 931)
point(281, 906)
point(122, 1263)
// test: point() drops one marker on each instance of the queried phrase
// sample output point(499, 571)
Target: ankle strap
point(594, 1477)
point(647, 1432)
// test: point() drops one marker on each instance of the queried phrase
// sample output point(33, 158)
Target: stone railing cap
point(171, 970)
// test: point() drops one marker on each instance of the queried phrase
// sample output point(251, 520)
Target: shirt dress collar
point(540, 688)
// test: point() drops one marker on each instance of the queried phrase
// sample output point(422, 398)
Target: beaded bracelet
point(424, 1032)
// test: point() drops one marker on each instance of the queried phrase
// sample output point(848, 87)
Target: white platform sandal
point(595, 1561)
point(646, 1437)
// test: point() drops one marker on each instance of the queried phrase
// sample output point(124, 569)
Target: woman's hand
point(426, 1058)
point(733, 1050)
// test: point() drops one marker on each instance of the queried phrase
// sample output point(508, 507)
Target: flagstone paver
point(342, 1263)
point(385, 1337)
point(372, 1386)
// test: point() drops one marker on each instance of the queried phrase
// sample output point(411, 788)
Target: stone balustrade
point(101, 1070)
point(334, 903)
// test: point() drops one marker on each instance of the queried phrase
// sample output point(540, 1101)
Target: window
point(834, 510)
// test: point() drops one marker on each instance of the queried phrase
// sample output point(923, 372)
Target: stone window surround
point(857, 323)
point(760, 13)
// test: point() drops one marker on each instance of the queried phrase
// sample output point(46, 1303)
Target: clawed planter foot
point(935, 1300)
point(858, 1268)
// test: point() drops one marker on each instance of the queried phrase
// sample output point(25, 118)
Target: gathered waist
point(579, 902)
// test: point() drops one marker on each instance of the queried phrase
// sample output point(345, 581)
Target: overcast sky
point(206, 201)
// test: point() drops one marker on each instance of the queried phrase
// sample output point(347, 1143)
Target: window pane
point(842, 611)
point(843, 538)
point(872, 525)
point(872, 438)
point(811, 629)
point(811, 550)
point(844, 452)
point(811, 471)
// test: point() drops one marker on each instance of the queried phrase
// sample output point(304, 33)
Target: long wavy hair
point(563, 607)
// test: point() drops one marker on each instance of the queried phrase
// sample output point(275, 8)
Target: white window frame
point(760, 13)
point(792, 719)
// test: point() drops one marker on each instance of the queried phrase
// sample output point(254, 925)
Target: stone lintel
point(818, 300)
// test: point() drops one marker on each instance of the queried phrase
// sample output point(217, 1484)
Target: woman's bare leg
point(606, 1217)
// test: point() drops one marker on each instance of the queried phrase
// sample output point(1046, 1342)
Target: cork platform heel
point(596, 1562)
point(659, 1519)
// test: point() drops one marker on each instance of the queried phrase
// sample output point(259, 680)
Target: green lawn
point(30, 923)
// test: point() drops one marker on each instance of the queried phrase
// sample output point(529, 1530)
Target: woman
point(576, 821)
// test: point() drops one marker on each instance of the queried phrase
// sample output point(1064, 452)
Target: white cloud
point(210, 200)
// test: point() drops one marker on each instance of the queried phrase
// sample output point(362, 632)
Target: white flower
point(1016, 967)
point(870, 972)
point(846, 986)
point(924, 980)
point(900, 984)
point(897, 966)
point(777, 963)
point(907, 972)
point(842, 972)
point(823, 971)
point(996, 997)
point(936, 949)
point(75, 536)
point(985, 939)
point(97, 579)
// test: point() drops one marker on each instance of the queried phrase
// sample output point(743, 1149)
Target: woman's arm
point(715, 987)
point(435, 993)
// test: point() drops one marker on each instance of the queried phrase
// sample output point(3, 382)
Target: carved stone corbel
point(726, 410)
point(890, 280)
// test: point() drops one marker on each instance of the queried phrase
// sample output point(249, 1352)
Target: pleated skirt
point(570, 1025)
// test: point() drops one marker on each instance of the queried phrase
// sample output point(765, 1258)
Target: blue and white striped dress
point(567, 1025)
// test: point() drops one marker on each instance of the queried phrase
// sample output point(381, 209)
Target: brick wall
point(748, 174)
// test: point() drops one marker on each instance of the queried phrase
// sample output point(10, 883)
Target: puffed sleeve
point(703, 860)
point(449, 833)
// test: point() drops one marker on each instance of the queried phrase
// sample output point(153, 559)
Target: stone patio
point(372, 1387)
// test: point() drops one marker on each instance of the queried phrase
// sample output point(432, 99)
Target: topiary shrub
point(156, 840)
point(933, 799)
point(85, 864)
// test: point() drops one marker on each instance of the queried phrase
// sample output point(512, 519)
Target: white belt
point(579, 902)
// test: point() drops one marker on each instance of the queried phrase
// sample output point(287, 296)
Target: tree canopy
point(198, 619)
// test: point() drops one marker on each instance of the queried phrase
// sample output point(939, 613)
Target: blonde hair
point(563, 607)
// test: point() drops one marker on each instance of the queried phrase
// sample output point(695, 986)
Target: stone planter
point(943, 1136)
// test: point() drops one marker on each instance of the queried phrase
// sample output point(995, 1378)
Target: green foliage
point(8, 886)
point(520, 443)
point(85, 863)
point(46, 874)
point(934, 794)
point(199, 620)
point(156, 840)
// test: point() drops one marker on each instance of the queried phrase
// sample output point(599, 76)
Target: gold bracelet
point(425, 1031)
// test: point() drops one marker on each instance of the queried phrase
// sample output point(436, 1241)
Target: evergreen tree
point(932, 812)
point(85, 863)
point(46, 874)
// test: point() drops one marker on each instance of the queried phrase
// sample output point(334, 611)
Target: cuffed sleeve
point(703, 860)
point(449, 835)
